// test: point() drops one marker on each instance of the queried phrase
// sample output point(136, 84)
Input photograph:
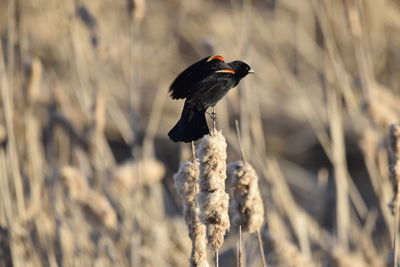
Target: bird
point(202, 85)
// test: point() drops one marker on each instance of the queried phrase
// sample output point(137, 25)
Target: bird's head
point(241, 69)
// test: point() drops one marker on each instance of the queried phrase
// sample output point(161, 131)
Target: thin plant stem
point(396, 239)
point(261, 248)
point(240, 142)
point(240, 255)
point(216, 258)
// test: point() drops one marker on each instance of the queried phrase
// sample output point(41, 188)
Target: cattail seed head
point(80, 191)
point(247, 206)
point(394, 140)
point(394, 168)
point(187, 188)
point(134, 174)
point(101, 207)
point(213, 199)
point(75, 181)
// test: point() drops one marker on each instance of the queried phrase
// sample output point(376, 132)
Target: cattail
point(394, 169)
point(134, 174)
point(75, 182)
point(213, 199)
point(246, 206)
point(187, 187)
point(80, 191)
point(394, 172)
point(101, 208)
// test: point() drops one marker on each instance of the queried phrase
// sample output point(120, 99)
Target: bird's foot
point(212, 115)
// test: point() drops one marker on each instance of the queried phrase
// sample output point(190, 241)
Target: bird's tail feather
point(191, 127)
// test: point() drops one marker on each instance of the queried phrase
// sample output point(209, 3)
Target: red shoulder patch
point(226, 71)
point(216, 57)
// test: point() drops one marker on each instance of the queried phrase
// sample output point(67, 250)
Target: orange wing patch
point(216, 57)
point(226, 71)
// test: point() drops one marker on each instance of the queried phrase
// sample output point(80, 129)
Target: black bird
point(203, 84)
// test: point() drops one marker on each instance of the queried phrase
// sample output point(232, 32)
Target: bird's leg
point(213, 116)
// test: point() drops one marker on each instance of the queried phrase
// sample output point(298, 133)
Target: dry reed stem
point(3, 134)
point(344, 258)
point(289, 254)
point(382, 115)
point(35, 79)
point(247, 206)
point(100, 116)
point(186, 184)
point(240, 252)
point(67, 242)
point(213, 199)
point(261, 247)
point(342, 182)
point(369, 142)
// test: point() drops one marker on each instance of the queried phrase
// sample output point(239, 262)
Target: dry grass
point(85, 164)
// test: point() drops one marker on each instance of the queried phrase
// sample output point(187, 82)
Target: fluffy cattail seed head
point(187, 188)
point(394, 168)
point(213, 199)
point(247, 206)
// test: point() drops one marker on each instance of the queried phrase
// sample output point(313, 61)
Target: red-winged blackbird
point(203, 84)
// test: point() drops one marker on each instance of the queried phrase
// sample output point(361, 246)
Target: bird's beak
point(251, 71)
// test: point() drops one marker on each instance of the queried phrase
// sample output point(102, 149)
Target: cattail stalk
point(213, 199)
point(187, 187)
point(394, 170)
point(240, 253)
point(261, 246)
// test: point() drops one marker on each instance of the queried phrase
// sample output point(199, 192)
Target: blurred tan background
point(86, 165)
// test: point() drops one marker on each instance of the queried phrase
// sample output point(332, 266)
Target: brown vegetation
point(86, 168)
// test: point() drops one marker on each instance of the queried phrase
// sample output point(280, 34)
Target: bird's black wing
point(181, 86)
point(210, 90)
